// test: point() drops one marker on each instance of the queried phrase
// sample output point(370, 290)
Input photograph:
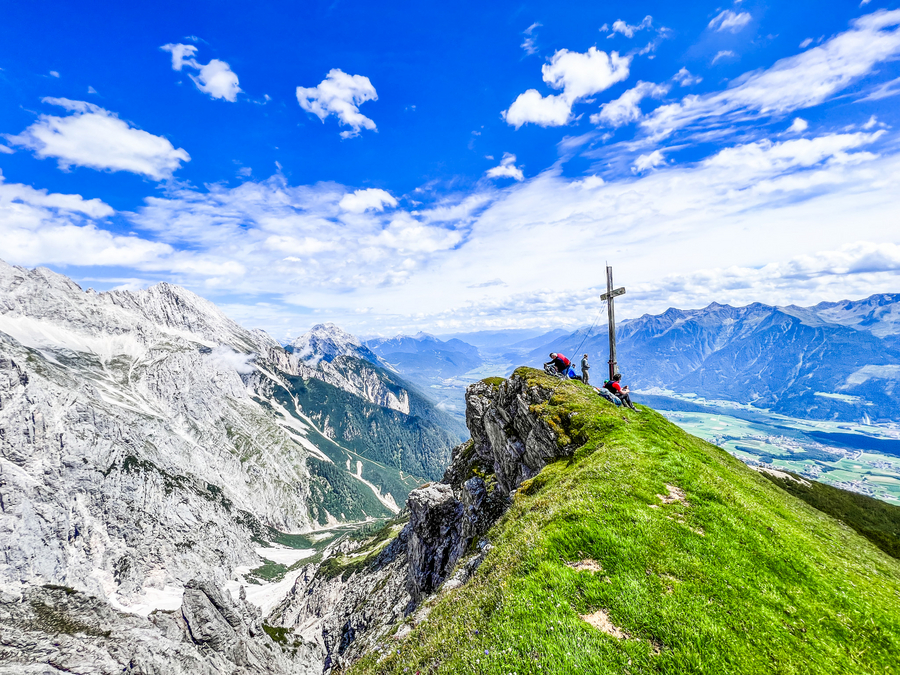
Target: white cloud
point(730, 21)
point(793, 83)
point(798, 126)
point(766, 157)
point(228, 359)
point(578, 75)
point(545, 111)
point(364, 200)
point(885, 90)
point(529, 43)
point(214, 78)
point(806, 43)
point(685, 79)
point(871, 123)
point(506, 169)
point(38, 227)
point(863, 3)
point(735, 212)
point(91, 90)
point(647, 162)
point(96, 138)
point(218, 80)
point(628, 30)
point(341, 95)
point(181, 55)
point(724, 54)
point(5, 150)
point(625, 109)
point(320, 238)
point(53, 73)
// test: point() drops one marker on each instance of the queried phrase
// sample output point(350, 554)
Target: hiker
point(605, 393)
point(585, 367)
point(559, 362)
point(614, 385)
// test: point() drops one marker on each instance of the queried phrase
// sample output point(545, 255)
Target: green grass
point(872, 518)
point(740, 578)
point(344, 565)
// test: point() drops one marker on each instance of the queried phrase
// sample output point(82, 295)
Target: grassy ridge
point(738, 577)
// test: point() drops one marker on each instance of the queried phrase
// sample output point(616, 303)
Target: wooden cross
point(610, 295)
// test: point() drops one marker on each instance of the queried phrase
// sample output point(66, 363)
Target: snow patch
point(39, 334)
point(872, 373)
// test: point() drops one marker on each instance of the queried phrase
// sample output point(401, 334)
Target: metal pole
point(613, 366)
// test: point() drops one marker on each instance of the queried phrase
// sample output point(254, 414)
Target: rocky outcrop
point(55, 629)
point(355, 607)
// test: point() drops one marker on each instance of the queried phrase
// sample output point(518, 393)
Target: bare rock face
point(55, 629)
point(444, 541)
point(436, 536)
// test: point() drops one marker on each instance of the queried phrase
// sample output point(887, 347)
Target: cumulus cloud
point(685, 79)
point(793, 83)
point(625, 109)
point(340, 94)
point(730, 21)
point(649, 161)
point(578, 76)
point(372, 199)
point(5, 150)
point(628, 30)
point(214, 78)
point(97, 138)
point(506, 169)
point(798, 126)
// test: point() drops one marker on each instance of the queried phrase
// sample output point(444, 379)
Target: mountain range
point(838, 360)
point(146, 440)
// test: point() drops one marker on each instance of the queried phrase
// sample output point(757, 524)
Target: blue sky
point(414, 166)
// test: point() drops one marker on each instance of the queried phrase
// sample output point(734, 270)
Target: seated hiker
point(605, 393)
point(614, 385)
point(559, 362)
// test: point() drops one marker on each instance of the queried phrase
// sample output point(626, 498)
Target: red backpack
point(563, 359)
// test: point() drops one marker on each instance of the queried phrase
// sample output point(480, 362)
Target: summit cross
point(610, 296)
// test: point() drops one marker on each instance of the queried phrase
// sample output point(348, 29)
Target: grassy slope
point(877, 521)
point(772, 585)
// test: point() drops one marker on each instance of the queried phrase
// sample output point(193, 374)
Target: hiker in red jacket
point(615, 386)
point(558, 361)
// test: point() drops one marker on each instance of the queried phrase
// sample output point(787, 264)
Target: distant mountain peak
point(326, 342)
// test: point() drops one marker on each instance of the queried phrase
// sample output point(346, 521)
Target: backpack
point(564, 360)
point(607, 384)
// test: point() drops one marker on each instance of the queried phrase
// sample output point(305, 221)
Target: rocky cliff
point(362, 599)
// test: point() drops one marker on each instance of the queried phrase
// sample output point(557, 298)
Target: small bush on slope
point(736, 577)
